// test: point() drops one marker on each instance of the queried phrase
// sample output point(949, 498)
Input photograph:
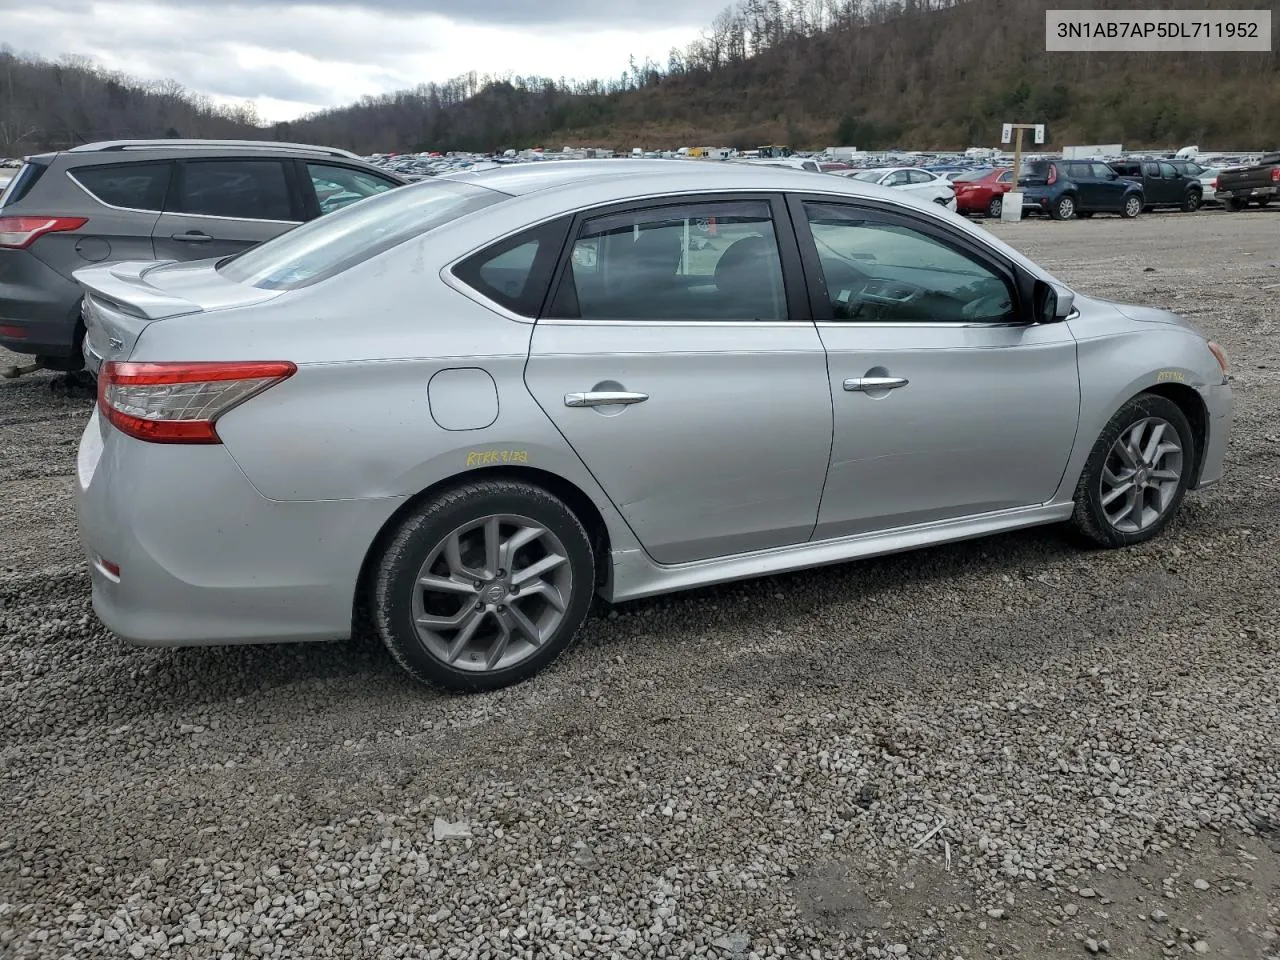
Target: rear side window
point(238, 189)
point(1079, 171)
point(328, 245)
point(516, 271)
point(336, 187)
point(137, 186)
point(21, 185)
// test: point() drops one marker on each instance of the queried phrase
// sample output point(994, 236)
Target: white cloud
point(289, 60)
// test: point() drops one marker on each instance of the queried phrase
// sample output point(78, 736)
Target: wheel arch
point(1193, 408)
point(581, 505)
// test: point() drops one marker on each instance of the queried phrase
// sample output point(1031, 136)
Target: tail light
point(20, 232)
point(1053, 175)
point(181, 402)
point(1215, 183)
point(1275, 174)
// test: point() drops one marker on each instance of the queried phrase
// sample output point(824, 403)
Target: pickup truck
point(1163, 185)
point(1259, 183)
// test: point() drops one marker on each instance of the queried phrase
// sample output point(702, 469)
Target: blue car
point(1067, 188)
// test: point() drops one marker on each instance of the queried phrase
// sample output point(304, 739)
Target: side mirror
point(1052, 304)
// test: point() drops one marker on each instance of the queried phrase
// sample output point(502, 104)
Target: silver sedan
point(473, 403)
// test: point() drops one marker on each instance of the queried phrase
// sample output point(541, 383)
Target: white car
point(1209, 185)
point(920, 182)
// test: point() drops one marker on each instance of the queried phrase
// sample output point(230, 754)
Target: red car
point(982, 191)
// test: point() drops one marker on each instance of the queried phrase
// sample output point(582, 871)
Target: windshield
point(338, 241)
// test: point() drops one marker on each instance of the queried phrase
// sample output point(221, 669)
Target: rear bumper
point(203, 558)
point(39, 301)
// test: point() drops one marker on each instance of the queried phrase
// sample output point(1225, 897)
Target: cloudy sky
point(291, 58)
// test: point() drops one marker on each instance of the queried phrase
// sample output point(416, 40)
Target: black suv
point(149, 200)
point(1163, 185)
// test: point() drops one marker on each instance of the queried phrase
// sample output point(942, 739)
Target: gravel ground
point(1013, 746)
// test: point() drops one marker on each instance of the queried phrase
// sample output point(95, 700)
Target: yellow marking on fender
point(479, 458)
point(1166, 375)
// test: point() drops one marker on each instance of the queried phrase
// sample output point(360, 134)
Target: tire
point(1114, 520)
point(995, 208)
point(1264, 201)
point(1192, 202)
point(1235, 204)
point(478, 600)
point(1132, 206)
point(1064, 208)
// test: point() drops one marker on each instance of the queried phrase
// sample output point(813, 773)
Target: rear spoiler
point(124, 287)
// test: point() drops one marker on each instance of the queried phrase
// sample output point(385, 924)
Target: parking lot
point(1010, 746)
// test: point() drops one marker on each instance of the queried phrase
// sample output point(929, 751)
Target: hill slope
point(923, 74)
point(871, 73)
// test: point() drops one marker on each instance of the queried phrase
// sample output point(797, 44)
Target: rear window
point(970, 176)
point(137, 186)
point(338, 241)
point(21, 185)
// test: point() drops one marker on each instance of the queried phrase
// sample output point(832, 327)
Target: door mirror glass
point(1052, 304)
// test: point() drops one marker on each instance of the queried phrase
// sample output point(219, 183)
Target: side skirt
point(636, 576)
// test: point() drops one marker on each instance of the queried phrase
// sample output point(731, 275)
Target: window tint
point(242, 189)
point(705, 261)
point(516, 271)
point(1167, 171)
point(338, 186)
point(919, 176)
point(898, 178)
point(1101, 171)
point(1006, 177)
point(329, 245)
point(22, 183)
point(1151, 170)
point(138, 186)
point(883, 271)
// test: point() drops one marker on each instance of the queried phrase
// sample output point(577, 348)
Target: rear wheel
point(995, 207)
point(1235, 204)
point(1264, 201)
point(1137, 475)
point(1132, 207)
point(483, 586)
point(1064, 208)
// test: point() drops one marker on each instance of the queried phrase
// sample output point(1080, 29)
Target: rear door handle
point(193, 236)
point(603, 398)
point(872, 384)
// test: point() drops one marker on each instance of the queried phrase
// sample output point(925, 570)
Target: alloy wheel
point(492, 593)
point(1141, 475)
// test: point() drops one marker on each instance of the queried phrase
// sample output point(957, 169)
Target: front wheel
point(1064, 209)
point(483, 586)
point(1132, 207)
point(1137, 475)
point(1192, 203)
point(995, 207)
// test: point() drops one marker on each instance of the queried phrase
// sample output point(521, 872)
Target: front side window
point(336, 187)
point(136, 186)
point(239, 189)
point(698, 261)
point(884, 271)
point(329, 245)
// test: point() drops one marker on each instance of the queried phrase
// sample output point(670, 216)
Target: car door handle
point(193, 236)
point(603, 398)
point(872, 384)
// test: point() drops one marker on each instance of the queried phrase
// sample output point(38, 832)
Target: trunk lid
point(123, 299)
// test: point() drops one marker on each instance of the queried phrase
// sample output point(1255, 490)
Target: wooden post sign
point(1013, 131)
